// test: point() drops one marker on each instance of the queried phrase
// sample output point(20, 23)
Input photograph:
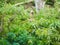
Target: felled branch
point(23, 3)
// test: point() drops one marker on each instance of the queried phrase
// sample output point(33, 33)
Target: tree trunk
point(39, 5)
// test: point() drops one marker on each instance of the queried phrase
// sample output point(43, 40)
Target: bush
point(19, 30)
point(21, 38)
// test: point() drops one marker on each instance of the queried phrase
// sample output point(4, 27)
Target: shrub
point(19, 30)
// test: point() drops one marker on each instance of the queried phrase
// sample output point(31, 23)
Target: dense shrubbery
point(19, 30)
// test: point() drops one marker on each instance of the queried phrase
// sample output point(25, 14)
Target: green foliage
point(21, 38)
point(4, 42)
point(19, 30)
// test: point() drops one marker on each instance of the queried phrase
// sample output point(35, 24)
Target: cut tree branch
point(22, 3)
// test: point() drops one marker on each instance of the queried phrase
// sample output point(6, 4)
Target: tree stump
point(39, 4)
